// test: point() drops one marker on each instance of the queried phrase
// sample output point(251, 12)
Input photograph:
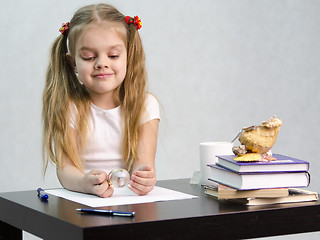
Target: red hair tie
point(64, 28)
point(135, 20)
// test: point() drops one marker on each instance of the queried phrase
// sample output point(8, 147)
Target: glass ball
point(119, 177)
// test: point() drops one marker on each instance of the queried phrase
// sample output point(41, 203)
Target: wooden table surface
point(200, 218)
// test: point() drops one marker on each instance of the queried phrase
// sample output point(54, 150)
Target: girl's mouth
point(103, 75)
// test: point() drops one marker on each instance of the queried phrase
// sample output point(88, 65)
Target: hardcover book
point(281, 164)
point(295, 195)
point(250, 181)
point(224, 192)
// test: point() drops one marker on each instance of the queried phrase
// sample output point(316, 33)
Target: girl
point(96, 113)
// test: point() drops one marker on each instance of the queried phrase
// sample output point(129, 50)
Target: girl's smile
point(103, 75)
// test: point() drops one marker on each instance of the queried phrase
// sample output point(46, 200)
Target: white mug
point(208, 153)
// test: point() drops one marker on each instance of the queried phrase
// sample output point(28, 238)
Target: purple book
point(250, 181)
point(281, 164)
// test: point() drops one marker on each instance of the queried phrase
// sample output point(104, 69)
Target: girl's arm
point(94, 182)
point(143, 177)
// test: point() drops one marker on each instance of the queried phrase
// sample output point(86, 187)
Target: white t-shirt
point(104, 145)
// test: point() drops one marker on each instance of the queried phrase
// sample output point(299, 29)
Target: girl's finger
point(145, 173)
point(108, 192)
point(100, 189)
point(140, 189)
point(142, 180)
point(97, 176)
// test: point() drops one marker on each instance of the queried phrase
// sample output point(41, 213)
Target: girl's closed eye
point(115, 52)
point(113, 56)
point(87, 55)
point(88, 58)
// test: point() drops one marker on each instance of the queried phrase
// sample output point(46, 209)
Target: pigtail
point(133, 96)
point(61, 89)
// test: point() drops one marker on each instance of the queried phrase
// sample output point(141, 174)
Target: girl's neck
point(105, 102)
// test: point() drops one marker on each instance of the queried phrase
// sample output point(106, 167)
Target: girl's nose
point(102, 63)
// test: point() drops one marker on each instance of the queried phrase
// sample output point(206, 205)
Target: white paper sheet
point(121, 196)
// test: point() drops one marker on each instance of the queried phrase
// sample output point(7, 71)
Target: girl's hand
point(95, 182)
point(142, 180)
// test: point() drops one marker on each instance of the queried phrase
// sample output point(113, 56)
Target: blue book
point(251, 181)
point(281, 164)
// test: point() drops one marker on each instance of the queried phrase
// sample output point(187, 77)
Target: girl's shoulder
point(151, 98)
point(152, 109)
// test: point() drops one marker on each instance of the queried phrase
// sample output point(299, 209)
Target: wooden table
point(200, 218)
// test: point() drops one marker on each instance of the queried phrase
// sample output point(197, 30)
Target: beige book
point(224, 192)
point(295, 195)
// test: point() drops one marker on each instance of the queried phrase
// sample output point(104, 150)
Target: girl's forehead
point(102, 30)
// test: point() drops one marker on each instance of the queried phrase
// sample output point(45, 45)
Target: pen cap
point(42, 194)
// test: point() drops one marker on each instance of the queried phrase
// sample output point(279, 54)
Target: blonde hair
point(62, 89)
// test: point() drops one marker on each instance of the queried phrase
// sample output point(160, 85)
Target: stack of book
point(256, 183)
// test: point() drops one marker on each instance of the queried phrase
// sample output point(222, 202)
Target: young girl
point(96, 114)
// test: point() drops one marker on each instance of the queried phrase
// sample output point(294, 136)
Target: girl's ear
point(70, 60)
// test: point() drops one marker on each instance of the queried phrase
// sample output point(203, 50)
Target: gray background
point(215, 65)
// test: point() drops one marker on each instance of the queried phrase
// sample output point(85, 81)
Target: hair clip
point(135, 20)
point(64, 28)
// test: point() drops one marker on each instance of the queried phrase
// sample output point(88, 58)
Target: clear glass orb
point(119, 177)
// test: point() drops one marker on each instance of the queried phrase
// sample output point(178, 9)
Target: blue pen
point(42, 194)
point(106, 212)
